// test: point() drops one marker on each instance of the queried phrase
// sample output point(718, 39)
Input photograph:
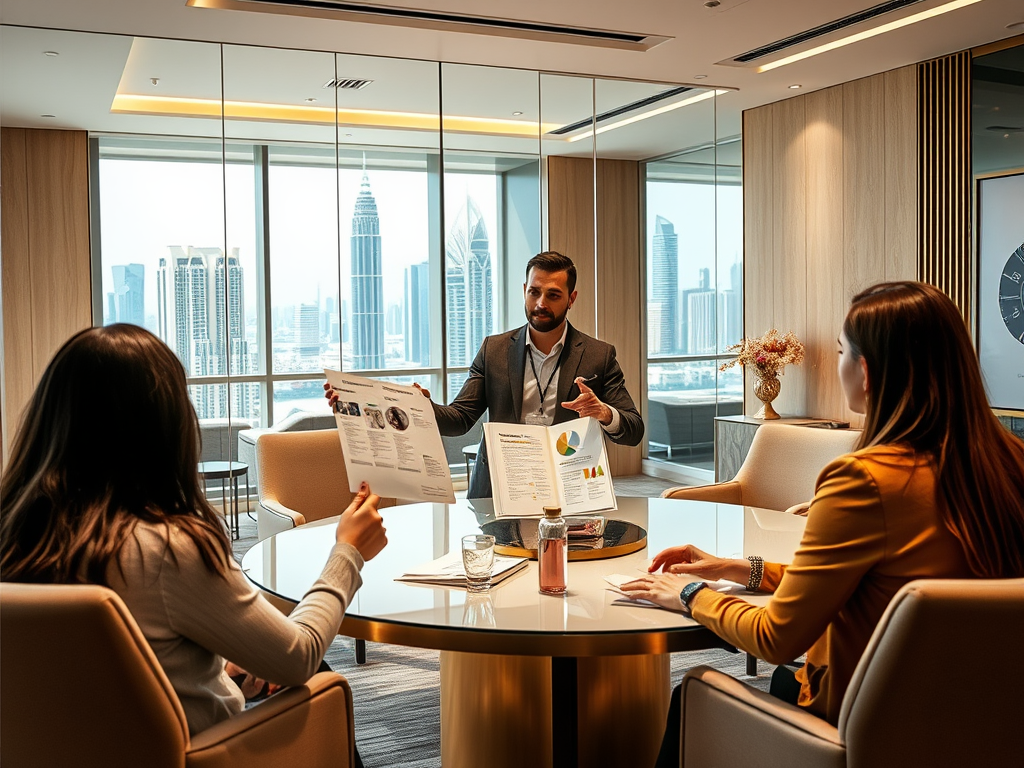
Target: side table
point(226, 472)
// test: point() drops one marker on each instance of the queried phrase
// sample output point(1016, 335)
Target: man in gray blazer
point(513, 372)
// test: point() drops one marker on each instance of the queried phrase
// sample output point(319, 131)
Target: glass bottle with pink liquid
point(552, 552)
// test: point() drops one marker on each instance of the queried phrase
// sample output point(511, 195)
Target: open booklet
point(563, 465)
point(389, 438)
point(448, 571)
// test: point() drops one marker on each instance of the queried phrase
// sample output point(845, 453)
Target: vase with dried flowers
point(767, 355)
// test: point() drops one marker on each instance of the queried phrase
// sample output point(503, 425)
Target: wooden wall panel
point(863, 183)
point(758, 217)
point(619, 299)
point(826, 300)
point(18, 378)
point(901, 174)
point(46, 271)
point(789, 277)
point(830, 207)
point(571, 230)
point(58, 172)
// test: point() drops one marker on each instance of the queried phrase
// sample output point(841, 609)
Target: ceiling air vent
point(347, 83)
point(441, 21)
point(833, 26)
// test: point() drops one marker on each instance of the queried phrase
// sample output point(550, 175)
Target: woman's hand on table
point(695, 562)
point(660, 588)
point(362, 526)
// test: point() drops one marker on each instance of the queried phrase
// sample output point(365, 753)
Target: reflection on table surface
point(287, 564)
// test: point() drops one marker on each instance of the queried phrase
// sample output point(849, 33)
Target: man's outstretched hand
point(587, 404)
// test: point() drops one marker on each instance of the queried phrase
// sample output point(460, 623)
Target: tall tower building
point(470, 298)
point(129, 280)
point(307, 331)
point(164, 301)
point(665, 285)
point(700, 317)
point(417, 313)
point(367, 283)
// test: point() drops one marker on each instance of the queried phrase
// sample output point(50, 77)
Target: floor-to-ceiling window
point(694, 243)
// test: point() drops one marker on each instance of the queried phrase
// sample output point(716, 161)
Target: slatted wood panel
point(619, 300)
point(571, 230)
point(830, 207)
point(945, 177)
point(46, 272)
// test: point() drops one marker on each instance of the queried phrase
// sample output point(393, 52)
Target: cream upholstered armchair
point(81, 687)
point(302, 479)
point(899, 710)
point(780, 470)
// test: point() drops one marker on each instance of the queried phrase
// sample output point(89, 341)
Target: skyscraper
point(307, 331)
point(470, 298)
point(699, 309)
point(200, 306)
point(129, 280)
point(665, 285)
point(417, 313)
point(367, 283)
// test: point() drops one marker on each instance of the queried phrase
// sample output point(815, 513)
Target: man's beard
point(545, 321)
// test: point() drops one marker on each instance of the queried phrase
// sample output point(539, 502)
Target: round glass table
point(555, 676)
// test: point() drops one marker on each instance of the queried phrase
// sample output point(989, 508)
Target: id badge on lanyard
point(536, 419)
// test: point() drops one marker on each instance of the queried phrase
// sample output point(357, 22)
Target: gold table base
point(496, 710)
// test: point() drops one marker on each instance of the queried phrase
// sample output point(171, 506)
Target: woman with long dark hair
point(102, 487)
point(933, 491)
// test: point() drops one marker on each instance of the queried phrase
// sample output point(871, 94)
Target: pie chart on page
point(568, 443)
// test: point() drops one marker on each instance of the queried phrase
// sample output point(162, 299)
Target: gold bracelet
point(756, 573)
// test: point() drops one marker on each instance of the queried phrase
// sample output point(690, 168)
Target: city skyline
point(367, 282)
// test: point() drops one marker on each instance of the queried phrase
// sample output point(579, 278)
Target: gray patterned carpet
point(397, 692)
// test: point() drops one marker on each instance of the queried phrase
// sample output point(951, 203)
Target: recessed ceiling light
point(310, 100)
point(795, 86)
point(868, 33)
point(154, 80)
point(47, 115)
point(700, 77)
point(348, 135)
point(50, 53)
point(516, 114)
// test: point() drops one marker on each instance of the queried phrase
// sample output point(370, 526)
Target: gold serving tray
point(517, 537)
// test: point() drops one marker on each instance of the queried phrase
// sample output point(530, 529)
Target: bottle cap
point(552, 511)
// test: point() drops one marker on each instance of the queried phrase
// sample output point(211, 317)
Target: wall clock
point(1011, 294)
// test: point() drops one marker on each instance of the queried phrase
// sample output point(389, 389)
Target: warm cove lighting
point(177, 106)
point(867, 33)
point(650, 113)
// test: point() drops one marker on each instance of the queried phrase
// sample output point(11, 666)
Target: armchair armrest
point(311, 725)
point(723, 720)
point(273, 517)
point(722, 493)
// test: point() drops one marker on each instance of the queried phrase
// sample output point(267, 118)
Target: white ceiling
point(78, 85)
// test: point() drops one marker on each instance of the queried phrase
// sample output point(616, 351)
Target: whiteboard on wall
point(1001, 288)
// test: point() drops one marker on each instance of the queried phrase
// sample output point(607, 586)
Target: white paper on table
point(562, 465)
point(448, 570)
point(617, 580)
point(389, 438)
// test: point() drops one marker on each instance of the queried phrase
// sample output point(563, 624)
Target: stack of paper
point(447, 571)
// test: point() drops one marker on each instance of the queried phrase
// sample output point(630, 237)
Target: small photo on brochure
point(347, 409)
point(397, 418)
point(374, 418)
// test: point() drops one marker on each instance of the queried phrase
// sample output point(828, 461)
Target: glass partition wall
point(271, 212)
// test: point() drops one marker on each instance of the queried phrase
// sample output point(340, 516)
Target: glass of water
point(478, 561)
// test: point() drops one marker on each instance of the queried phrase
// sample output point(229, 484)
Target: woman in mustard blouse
point(934, 491)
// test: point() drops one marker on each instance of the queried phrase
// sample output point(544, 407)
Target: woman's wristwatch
point(689, 591)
